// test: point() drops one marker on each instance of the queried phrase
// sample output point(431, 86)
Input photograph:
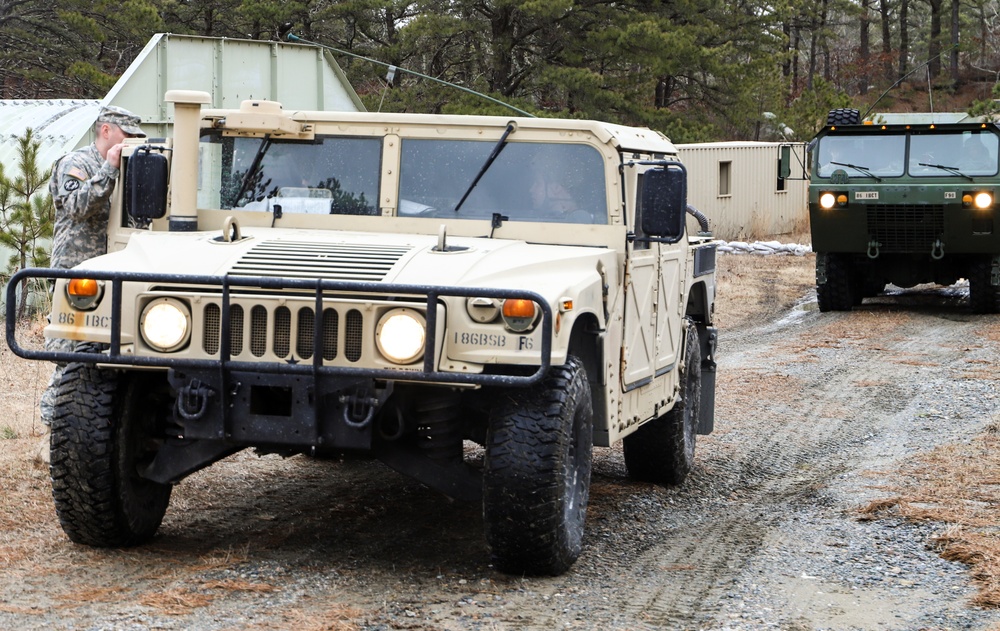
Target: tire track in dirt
point(788, 447)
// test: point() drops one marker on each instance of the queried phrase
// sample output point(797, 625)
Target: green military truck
point(389, 285)
point(904, 204)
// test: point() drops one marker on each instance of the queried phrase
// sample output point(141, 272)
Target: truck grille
point(905, 227)
point(275, 334)
point(293, 259)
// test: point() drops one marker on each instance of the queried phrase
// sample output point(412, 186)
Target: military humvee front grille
point(905, 227)
point(354, 336)
point(210, 338)
point(258, 325)
point(275, 338)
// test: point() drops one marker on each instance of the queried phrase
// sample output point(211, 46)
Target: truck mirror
point(146, 184)
point(664, 202)
point(785, 162)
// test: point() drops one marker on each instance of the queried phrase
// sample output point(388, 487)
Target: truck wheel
point(838, 292)
point(102, 434)
point(983, 296)
point(843, 116)
point(662, 450)
point(536, 478)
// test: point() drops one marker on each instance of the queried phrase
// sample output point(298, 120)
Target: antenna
point(900, 80)
point(284, 32)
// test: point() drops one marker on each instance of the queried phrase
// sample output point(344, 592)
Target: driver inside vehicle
point(550, 195)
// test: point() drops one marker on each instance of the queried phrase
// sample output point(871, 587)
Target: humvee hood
point(363, 257)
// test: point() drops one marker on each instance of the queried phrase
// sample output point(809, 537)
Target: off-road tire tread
point(837, 293)
point(843, 116)
point(524, 491)
point(983, 297)
point(86, 476)
point(662, 450)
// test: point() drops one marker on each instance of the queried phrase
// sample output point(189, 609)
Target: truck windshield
point(862, 155)
point(967, 153)
point(939, 154)
point(528, 181)
point(329, 175)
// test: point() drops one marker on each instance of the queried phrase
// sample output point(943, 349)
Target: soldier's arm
point(81, 191)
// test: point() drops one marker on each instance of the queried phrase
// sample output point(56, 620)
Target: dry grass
point(957, 485)
point(751, 288)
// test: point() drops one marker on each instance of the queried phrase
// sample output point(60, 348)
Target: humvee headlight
point(84, 294)
point(519, 315)
point(401, 335)
point(827, 200)
point(165, 324)
point(983, 200)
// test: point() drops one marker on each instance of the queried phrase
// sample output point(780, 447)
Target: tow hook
point(873, 247)
point(192, 400)
point(937, 250)
point(359, 408)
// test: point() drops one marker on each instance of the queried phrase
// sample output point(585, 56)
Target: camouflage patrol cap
point(126, 120)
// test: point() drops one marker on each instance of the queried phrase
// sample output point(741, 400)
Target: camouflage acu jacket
point(81, 187)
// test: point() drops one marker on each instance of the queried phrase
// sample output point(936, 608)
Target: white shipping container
point(737, 185)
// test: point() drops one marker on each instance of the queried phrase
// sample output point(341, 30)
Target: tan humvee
point(390, 284)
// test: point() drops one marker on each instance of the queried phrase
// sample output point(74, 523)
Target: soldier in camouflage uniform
point(81, 187)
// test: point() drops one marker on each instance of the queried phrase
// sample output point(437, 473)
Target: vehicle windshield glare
point(331, 175)
point(869, 155)
point(965, 153)
point(528, 181)
point(970, 153)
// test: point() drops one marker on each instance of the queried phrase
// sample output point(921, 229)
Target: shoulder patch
point(71, 185)
point(77, 173)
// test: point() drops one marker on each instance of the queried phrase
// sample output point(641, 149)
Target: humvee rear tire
point(101, 437)
point(843, 116)
point(984, 297)
point(838, 292)
point(536, 478)
point(662, 450)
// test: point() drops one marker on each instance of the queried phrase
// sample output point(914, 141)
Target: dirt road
point(814, 411)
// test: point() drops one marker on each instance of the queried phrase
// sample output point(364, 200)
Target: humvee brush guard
point(904, 204)
point(323, 283)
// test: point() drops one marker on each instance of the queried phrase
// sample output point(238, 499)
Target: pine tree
point(26, 217)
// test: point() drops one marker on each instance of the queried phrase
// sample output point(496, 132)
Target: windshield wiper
point(858, 168)
point(952, 170)
point(511, 127)
point(248, 178)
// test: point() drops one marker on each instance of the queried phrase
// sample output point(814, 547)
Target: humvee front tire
point(101, 436)
point(662, 450)
point(837, 292)
point(843, 116)
point(536, 479)
point(984, 297)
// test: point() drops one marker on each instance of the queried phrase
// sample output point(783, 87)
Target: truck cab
point(904, 204)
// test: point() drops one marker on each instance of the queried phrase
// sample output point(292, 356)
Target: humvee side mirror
point(146, 184)
point(785, 162)
point(664, 202)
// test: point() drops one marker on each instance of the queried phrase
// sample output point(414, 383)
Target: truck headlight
point(827, 200)
point(165, 324)
point(401, 335)
point(84, 294)
point(983, 200)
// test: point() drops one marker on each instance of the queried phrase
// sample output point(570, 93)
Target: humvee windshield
point(966, 153)
point(528, 181)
